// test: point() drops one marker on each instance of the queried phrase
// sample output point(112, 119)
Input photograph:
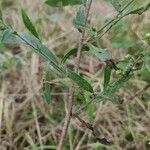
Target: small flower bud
point(128, 56)
point(147, 37)
point(118, 72)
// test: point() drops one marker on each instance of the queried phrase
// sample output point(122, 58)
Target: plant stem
point(82, 38)
point(67, 119)
point(111, 23)
point(76, 68)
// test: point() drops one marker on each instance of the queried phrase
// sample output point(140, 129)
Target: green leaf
point(6, 35)
point(116, 85)
point(80, 20)
point(2, 25)
point(58, 3)
point(80, 81)
point(46, 85)
point(1, 15)
point(139, 10)
point(90, 108)
point(41, 50)
point(71, 52)
point(107, 74)
point(116, 4)
point(12, 39)
point(103, 97)
point(90, 111)
point(112, 88)
point(71, 2)
point(29, 24)
point(98, 52)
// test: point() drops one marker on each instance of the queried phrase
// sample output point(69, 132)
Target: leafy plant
point(125, 67)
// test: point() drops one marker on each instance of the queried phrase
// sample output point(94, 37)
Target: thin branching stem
point(110, 24)
point(76, 68)
point(82, 38)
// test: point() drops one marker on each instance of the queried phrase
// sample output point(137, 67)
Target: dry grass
point(26, 122)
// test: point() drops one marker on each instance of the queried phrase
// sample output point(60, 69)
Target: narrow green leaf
point(80, 81)
point(90, 108)
point(71, 2)
point(98, 52)
point(54, 3)
point(90, 111)
point(103, 97)
point(1, 15)
point(6, 35)
point(80, 20)
point(12, 39)
point(41, 49)
point(2, 25)
point(46, 85)
point(116, 85)
point(58, 3)
point(139, 10)
point(107, 74)
point(71, 52)
point(29, 24)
